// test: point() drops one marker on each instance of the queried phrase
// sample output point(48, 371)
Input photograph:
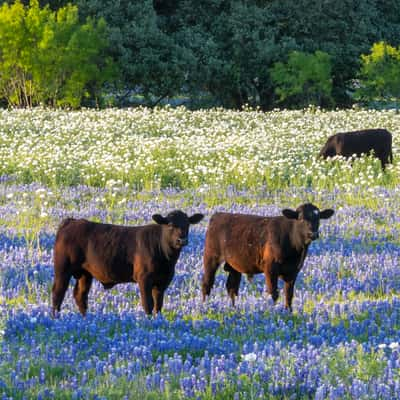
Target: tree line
point(231, 53)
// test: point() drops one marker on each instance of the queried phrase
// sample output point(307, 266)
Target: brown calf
point(251, 244)
point(117, 254)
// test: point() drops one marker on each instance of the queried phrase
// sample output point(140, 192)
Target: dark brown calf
point(360, 142)
point(117, 254)
point(252, 244)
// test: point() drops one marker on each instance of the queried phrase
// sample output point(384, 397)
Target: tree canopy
point(305, 79)
point(49, 57)
point(380, 74)
point(225, 51)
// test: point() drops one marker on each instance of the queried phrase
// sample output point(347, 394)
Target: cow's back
point(363, 141)
point(72, 237)
point(226, 227)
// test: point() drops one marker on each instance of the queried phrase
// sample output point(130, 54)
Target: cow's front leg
point(60, 286)
point(158, 298)
point(271, 280)
point(233, 283)
point(289, 289)
point(145, 286)
point(211, 265)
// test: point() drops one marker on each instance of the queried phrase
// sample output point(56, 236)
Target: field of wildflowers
point(153, 149)
point(342, 340)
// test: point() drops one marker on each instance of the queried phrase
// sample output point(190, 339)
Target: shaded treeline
point(222, 52)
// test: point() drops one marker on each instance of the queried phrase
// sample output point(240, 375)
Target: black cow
point(252, 244)
point(360, 142)
point(117, 254)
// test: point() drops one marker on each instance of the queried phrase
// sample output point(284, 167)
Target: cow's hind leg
point(384, 161)
point(81, 291)
point(211, 264)
point(61, 281)
point(385, 157)
point(233, 282)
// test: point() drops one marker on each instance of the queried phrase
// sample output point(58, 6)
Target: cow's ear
point(291, 214)
point(325, 214)
point(159, 219)
point(196, 218)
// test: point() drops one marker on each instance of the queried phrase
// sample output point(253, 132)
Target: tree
point(224, 49)
point(343, 29)
point(221, 50)
point(149, 60)
point(16, 59)
point(48, 57)
point(232, 46)
point(237, 42)
point(71, 63)
point(305, 79)
point(380, 74)
point(53, 4)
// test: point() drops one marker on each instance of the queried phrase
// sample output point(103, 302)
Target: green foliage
point(230, 50)
point(53, 4)
point(305, 79)
point(380, 74)
point(211, 52)
point(149, 61)
point(343, 29)
point(234, 44)
point(15, 41)
point(49, 57)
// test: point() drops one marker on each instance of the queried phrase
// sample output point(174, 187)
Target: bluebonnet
point(344, 309)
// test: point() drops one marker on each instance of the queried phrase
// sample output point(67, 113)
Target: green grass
point(367, 365)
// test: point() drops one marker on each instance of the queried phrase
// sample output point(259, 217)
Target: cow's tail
point(391, 156)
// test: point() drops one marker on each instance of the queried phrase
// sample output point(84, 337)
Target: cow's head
point(176, 226)
point(329, 149)
point(310, 215)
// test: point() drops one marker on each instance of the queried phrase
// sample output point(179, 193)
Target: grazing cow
point(252, 244)
point(348, 143)
point(117, 254)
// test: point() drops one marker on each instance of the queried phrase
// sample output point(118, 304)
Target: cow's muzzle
point(182, 241)
point(315, 235)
